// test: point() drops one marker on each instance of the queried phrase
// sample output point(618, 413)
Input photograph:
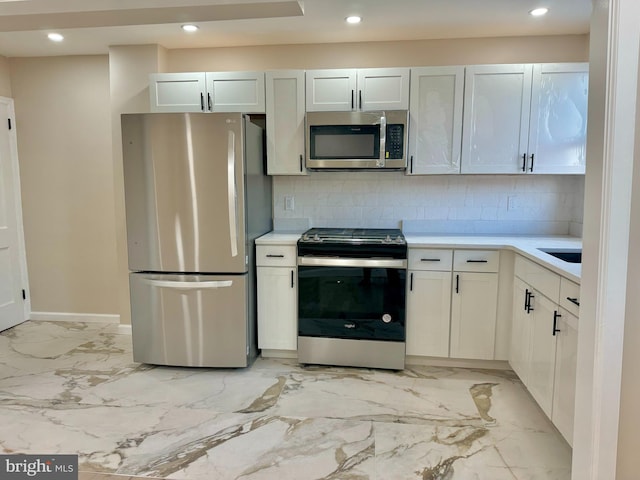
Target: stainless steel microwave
point(357, 140)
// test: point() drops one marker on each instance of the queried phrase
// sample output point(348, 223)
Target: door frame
point(22, 251)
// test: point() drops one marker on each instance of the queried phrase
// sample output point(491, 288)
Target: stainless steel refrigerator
point(197, 196)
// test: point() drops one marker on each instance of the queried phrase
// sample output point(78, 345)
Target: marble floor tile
point(73, 388)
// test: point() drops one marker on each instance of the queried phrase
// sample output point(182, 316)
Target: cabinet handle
point(301, 162)
point(360, 98)
point(531, 167)
point(269, 255)
point(411, 282)
point(209, 102)
point(529, 307)
point(457, 283)
point(202, 101)
point(556, 316)
point(411, 165)
point(526, 300)
point(477, 261)
point(291, 278)
point(352, 97)
point(429, 259)
point(524, 162)
point(575, 301)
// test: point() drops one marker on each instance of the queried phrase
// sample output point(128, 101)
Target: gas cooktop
point(353, 242)
point(379, 236)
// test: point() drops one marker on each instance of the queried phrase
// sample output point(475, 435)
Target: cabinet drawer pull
point(574, 301)
point(532, 157)
point(526, 300)
point(429, 259)
point(457, 283)
point(411, 283)
point(202, 101)
point(269, 255)
point(556, 316)
point(524, 162)
point(301, 162)
point(529, 307)
point(352, 104)
point(209, 102)
point(360, 97)
point(477, 261)
point(291, 278)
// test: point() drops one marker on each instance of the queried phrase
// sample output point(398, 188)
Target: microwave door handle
point(383, 140)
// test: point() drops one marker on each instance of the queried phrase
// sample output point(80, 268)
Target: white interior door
point(13, 309)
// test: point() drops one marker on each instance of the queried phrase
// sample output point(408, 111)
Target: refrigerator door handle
point(178, 285)
point(231, 189)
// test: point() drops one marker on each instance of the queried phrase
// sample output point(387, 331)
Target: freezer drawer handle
point(231, 189)
point(189, 285)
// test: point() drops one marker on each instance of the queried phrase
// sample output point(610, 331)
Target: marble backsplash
point(460, 204)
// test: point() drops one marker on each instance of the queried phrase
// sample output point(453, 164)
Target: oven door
point(352, 299)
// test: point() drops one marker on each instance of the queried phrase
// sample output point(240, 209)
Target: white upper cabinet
point(496, 119)
point(177, 92)
point(236, 91)
point(353, 89)
point(525, 119)
point(435, 116)
point(558, 130)
point(285, 122)
point(207, 92)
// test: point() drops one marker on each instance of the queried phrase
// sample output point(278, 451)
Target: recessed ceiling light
point(55, 37)
point(190, 28)
point(538, 12)
point(353, 19)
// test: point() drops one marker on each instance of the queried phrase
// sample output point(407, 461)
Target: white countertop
point(526, 245)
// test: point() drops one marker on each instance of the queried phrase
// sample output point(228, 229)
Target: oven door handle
point(352, 262)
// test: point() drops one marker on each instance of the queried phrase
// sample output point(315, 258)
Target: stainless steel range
point(351, 297)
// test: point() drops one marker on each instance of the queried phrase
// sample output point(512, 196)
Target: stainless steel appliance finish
point(357, 140)
point(196, 199)
point(351, 297)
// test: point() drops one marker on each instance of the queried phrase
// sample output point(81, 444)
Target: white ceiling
point(90, 26)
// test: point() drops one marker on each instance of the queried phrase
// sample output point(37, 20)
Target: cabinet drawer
point(276, 256)
point(476, 260)
point(543, 280)
point(570, 296)
point(430, 259)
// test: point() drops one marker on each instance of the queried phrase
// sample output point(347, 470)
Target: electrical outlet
point(513, 202)
point(288, 202)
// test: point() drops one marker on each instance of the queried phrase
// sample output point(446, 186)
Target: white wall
point(480, 204)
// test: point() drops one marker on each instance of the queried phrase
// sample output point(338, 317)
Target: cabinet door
point(435, 116)
point(543, 351)
point(236, 92)
point(277, 309)
point(428, 313)
point(564, 390)
point(520, 331)
point(331, 90)
point(383, 89)
point(496, 118)
point(473, 315)
point(285, 122)
point(558, 131)
point(177, 92)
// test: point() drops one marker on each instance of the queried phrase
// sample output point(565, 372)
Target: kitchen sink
point(565, 254)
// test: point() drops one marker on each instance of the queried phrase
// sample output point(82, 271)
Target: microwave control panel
point(395, 141)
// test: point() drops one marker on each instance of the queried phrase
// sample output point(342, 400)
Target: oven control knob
point(398, 239)
point(305, 237)
point(386, 318)
point(316, 237)
point(388, 239)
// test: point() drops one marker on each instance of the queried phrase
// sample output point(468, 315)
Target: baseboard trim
point(75, 317)
point(457, 362)
point(124, 329)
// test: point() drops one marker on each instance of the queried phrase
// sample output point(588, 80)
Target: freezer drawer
point(190, 320)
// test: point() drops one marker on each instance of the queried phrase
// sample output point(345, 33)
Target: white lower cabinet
point(277, 297)
point(429, 301)
point(474, 304)
point(544, 340)
point(564, 390)
point(543, 351)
